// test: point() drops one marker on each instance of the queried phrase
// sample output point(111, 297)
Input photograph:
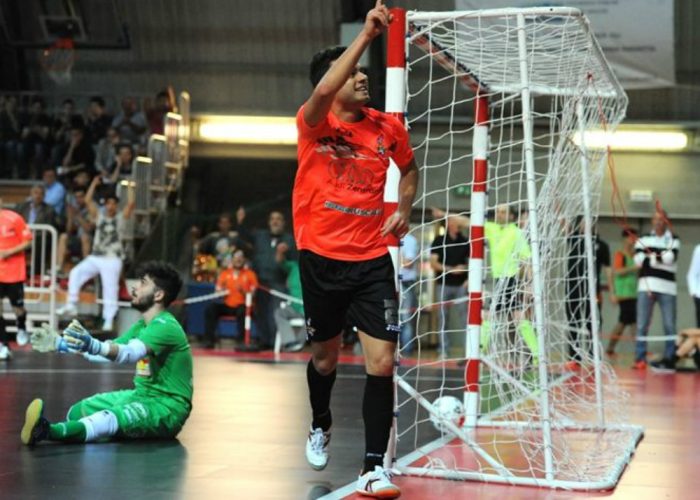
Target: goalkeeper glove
point(80, 340)
point(44, 339)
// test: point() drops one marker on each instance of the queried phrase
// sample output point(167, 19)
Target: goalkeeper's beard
point(143, 304)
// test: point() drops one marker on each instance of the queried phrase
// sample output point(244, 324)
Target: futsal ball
point(449, 408)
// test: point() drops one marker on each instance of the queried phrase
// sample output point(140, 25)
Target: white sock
point(100, 425)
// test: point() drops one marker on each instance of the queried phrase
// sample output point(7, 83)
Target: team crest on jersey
point(143, 368)
point(381, 149)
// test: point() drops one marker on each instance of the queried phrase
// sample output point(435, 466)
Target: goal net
point(500, 105)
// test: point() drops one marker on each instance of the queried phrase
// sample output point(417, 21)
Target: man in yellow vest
point(509, 252)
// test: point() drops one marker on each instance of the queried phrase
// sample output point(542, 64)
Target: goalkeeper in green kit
point(160, 402)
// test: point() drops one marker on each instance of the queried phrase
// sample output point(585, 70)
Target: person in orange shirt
point(238, 281)
point(15, 238)
point(347, 275)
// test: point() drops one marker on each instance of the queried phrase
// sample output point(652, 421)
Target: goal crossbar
point(419, 35)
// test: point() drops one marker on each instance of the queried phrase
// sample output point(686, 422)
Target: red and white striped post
point(395, 103)
point(480, 149)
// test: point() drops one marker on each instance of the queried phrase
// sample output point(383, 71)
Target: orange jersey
point(13, 232)
point(238, 282)
point(338, 199)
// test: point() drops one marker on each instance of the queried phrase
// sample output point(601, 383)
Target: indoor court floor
point(245, 437)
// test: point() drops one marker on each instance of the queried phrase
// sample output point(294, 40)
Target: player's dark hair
point(165, 276)
point(321, 61)
point(628, 231)
point(112, 196)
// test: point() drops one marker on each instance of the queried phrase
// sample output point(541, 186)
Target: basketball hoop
point(57, 60)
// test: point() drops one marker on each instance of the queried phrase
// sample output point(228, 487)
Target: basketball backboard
point(96, 24)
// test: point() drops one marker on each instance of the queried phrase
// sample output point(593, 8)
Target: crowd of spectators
point(245, 260)
point(60, 151)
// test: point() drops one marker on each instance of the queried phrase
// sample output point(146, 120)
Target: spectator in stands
point(77, 156)
point(10, 131)
point(79, 228)
point(106, 153)
point(35, 210)
point(35, 140)
point(123, 160)
point(65, 121)
point(106, 257)
point(98, 121)
point(693, 278)
point(623, 288)
point(15, 238)
point(55, 192)
point(155, 113)
point(238, 281)
point(293, 310)
point(449, 258)
point(130, 122)
point(222, 242)
point(81, 181)
point(118, 170)
point(409, 302)
point(272, 274)
point(656, 254)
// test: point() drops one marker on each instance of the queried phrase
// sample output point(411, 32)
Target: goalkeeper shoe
point(377, 484)
point(5, 352)
point(36, 427)
point(317, 448)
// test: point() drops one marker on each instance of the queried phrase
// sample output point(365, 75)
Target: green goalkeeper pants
point(139, 415)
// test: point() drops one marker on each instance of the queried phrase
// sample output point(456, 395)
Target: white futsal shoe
point(67, 309)
point(108, 325)
point(22, 337)
point(377, 484)
point(5, 352)
point(317, 448)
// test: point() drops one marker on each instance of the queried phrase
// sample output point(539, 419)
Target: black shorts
point(14, 292)
point(628, 312)
point(361, 294)
point(509, 297)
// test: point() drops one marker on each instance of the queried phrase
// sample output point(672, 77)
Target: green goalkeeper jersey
point(167, 371)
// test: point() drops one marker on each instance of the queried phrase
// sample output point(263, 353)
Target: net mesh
point(450, 60)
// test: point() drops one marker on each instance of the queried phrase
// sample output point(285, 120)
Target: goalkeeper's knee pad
point(100, 425)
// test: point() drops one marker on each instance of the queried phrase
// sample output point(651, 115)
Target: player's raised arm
point(319, 104)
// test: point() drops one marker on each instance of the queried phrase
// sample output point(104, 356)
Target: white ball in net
point(449, 408)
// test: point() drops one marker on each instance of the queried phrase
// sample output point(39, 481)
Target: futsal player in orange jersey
point(15, 238)
point(340, 228)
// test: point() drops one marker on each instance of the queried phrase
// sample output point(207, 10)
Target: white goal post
point(498, 103)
